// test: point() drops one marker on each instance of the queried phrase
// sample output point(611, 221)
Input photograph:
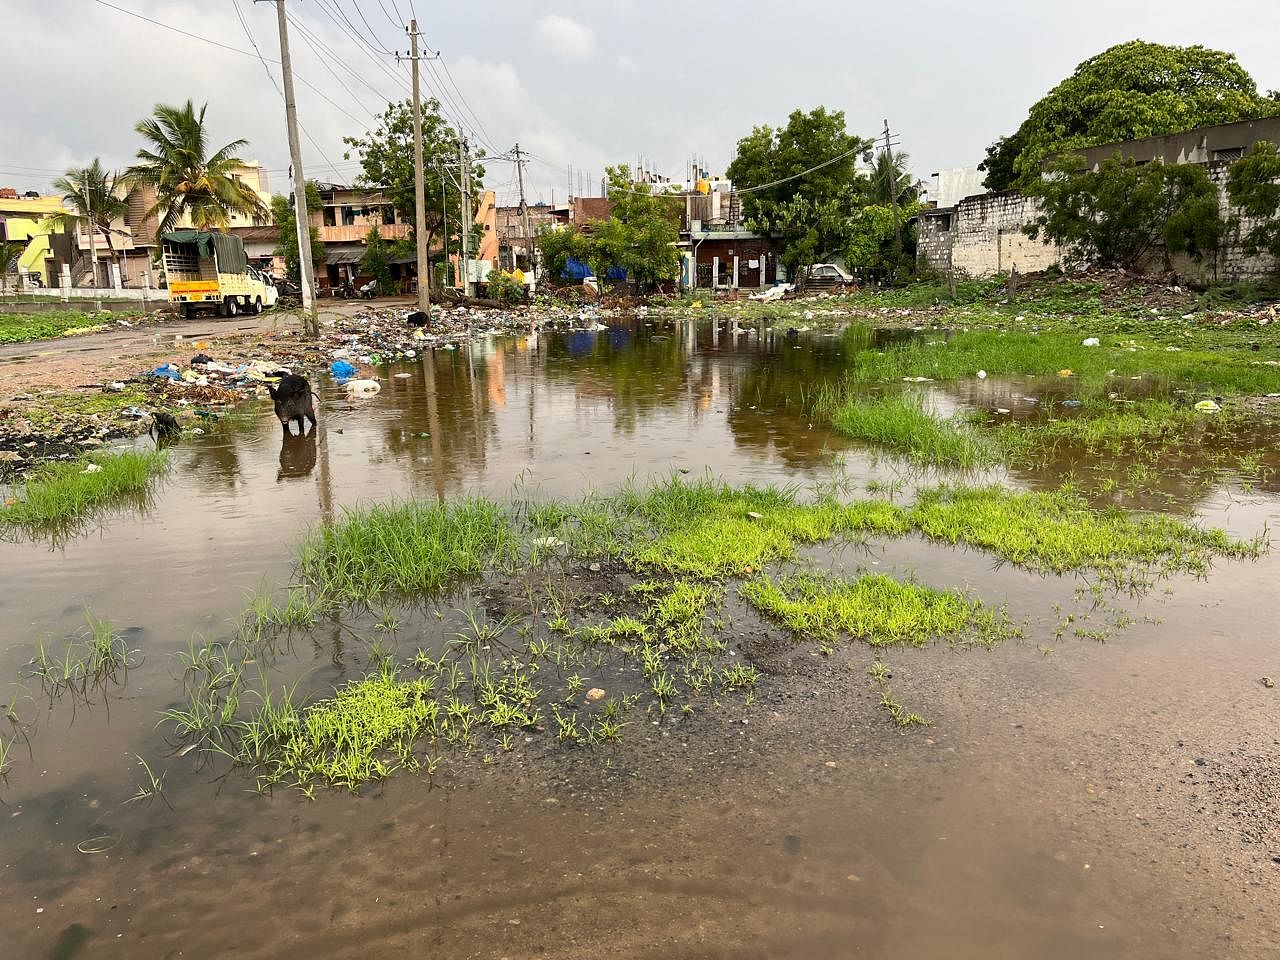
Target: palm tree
point(93, 198)
point(187, 180)
point(890, 178)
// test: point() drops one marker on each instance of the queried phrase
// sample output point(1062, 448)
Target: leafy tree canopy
point(1132, 90)
point(386, 159)
point(639, 235)
point(786, 197)
point(1121, 212)
point(1254, 189)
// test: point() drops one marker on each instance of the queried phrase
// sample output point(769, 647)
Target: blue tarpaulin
point(575, 269)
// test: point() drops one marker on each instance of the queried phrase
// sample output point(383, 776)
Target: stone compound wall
point(1233, 263)
point(982, 236)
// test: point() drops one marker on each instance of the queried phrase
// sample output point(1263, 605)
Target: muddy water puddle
point(1043, 814)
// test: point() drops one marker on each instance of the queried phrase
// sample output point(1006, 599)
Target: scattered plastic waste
point(1071, 403)
point(168, 371)
point(200, 358)
point(1207, 406)
point(363, 388)
point(134, 413)
point(982, 374)
point(1091, 342)
point(92, 468)
point(1065, 372)
point(342, 370)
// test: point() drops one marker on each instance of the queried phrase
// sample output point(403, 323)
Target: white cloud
point(566, 37)
point(628, 64)
point(512, 114)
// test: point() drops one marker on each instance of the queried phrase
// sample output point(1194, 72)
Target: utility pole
point(892, 185)
point(464, 224)
point(310, 322)
point(444, 221)
point(524, 213)
point(419, 186)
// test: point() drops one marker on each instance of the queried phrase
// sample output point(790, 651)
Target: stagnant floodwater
point(1096, 800)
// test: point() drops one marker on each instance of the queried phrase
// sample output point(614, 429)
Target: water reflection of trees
point(635, 371)
point(445, 416)
point(770, 401)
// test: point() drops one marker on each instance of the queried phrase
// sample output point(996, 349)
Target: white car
point(828, 275)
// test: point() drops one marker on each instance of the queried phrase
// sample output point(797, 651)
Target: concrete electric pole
point(529, 247)
point(419, 183)
point(311, 323)
point(467, 217)
point(892, 186)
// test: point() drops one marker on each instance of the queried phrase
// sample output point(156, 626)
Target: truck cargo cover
point(229, 249)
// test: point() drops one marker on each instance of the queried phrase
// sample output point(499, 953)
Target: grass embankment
point(60, 494)
point(659, 639)
point(28, 327)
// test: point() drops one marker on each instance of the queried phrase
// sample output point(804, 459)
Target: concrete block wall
point(933, 240)
point(987, 236)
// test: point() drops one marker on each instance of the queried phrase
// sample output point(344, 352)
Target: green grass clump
point(59, 494)
point(1057, 531)
point(875, 608)
point(89, 660)
point(365, 732)
point(406, 549)
point(902, 424)
point(708, 530)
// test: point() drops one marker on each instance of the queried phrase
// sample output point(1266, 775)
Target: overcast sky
point(575, 82)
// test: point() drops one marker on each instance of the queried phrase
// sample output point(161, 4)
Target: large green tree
point(647, 228)
point(386, 164)
point(1254, 189)
point(188, 180)
point(1123, 212)
point(92, 198)
point(1132, 90)
point(800, 183)
point(639, 235)
point(284, 217)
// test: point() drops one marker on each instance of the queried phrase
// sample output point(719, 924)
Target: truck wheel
point(257, 305)
point(184, 311)
point(233, 308)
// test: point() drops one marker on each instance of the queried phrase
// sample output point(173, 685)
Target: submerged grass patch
point(62, 493)
point(877, 609)
point(902, 424)
point(1058, 532)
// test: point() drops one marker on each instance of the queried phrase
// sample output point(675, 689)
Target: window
point(1228, 153)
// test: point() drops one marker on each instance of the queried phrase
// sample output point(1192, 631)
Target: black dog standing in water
point(164, 428)
point(293, 401)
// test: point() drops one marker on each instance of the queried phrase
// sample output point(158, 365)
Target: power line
point(310, 34)
point(254, 43)
point(333, 73)
point(396, 21)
